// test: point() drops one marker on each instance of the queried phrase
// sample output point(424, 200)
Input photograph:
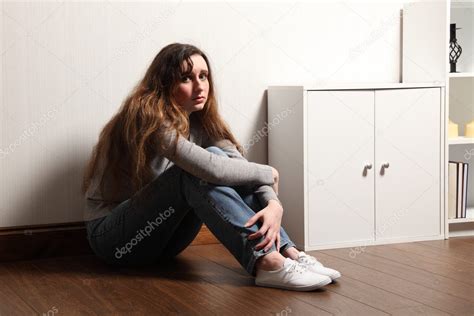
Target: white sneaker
point(292, 276)
point(312, 264)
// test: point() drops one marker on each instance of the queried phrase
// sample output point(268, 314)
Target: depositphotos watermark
point(54, 310)
point(284, 312)
point(28, 132)
point(145, 232)
point(469, 154)
point(263, 132)
point(392, 220)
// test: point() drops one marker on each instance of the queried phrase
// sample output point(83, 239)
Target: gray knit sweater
point(192, 157)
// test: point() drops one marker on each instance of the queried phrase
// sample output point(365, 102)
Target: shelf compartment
point(461, 75)
point(461, 140)
point(469, 217)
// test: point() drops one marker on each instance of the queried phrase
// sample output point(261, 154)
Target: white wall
point(67, 66)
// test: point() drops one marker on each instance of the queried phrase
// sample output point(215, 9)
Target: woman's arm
point(265, 193)
point(270, 215)
point(214, 168)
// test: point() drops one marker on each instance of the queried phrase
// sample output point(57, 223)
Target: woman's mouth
point(199, 99)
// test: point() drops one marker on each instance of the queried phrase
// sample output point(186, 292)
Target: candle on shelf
point(453, 129)
point(469, 129)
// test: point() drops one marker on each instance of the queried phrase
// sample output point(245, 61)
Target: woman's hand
point(271, 218)
point(276, 179)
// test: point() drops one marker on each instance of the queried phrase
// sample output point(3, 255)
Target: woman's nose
point(198, 86)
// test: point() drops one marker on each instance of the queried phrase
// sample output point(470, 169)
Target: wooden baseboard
point(45, 241)
point(33, 244)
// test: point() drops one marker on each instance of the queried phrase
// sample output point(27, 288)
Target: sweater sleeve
point(211, 167)
point(264, 192)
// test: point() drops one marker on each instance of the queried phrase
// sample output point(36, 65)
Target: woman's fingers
point(271, 242)
point(278, 239)
point(265, 242)
point(272, 235)
point(259, 233)
point(268, 241)
point(252, 220)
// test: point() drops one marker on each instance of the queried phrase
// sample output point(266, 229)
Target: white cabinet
point(358, 165)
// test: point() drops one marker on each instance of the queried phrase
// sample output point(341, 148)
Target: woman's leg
point(225, 213)
point(154, 214)
point(138, 229)
point(183, 236)
point(191, 224)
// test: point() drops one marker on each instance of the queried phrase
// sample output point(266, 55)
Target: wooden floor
point(432, 278)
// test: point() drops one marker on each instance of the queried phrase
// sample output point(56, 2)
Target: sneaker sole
point(335, 277)
point(294, 288)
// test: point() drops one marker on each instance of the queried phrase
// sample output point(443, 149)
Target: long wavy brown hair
point(130, 140)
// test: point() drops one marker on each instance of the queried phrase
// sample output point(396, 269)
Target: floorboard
point(422, 278)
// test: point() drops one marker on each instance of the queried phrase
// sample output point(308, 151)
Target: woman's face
point(192, 90)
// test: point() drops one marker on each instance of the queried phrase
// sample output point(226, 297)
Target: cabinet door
point(408, 138)
point(340, 142)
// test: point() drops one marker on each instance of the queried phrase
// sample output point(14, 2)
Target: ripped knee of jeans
point(216, 150)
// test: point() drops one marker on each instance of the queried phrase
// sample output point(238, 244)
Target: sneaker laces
point(307, 260)
point(296, 267)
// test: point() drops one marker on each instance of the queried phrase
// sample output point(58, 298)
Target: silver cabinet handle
point(366, 168)
point(385, 165)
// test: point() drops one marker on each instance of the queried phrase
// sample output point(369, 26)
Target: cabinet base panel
point(361, 244)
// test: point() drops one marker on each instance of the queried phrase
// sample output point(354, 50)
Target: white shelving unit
point(426, 30)
point(461, 111)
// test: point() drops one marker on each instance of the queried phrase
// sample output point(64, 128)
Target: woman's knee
point(216, 150)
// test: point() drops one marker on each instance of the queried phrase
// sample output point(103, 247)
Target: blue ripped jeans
point(164, 217)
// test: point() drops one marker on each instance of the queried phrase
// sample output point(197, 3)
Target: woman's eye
point(187, 78)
